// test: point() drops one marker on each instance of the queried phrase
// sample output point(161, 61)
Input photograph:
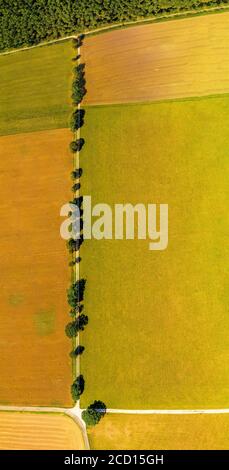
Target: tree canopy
point(77, 351)
point(77, 387)
point(73, 328)
point(76, 292)
point(28, 22)
point(93, 414)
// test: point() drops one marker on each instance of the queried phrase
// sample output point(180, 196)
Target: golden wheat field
point(39, 431)
point(172, 59)
point(35, 182)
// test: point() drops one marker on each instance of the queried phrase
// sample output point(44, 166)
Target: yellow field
point(171, 59)
point(164, 432)
point(35, 182)
point(39, 431)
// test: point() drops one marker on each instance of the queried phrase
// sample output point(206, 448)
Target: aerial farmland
point(166, 60)
point(152, 127)
point(164, 145)
point(155, 296)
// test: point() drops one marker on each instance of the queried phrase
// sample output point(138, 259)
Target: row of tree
point(75, 293)
point(94, 412)
point(78, 84)
point(28, 22)
point(75, 298)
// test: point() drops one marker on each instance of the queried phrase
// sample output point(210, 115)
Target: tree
point(72, 263)
point(75, 292)
point(79, 69)
point(76, 58)
point(76, 145)
point(75, 187)
point(78, 90)
point(71, 329)
point(78, 351)
point(77, 309)
point(73, 146)
point(79, 80)
point(93, 414)
point(78, 84)
point(77, 325)
point(77, 42)
point(82, 321)
point(72, 313)
point(77, 119)
point(76, 173)
point(80, 143)
point(71, 245)
point(74, 245)
point(77, 387)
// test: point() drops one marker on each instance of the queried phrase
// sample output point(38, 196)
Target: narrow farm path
point(168, 412)
point(77, 411)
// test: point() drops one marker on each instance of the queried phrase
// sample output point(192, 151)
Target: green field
point(158, 321)
point(35, 89)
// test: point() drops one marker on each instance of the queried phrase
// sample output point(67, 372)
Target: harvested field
point(175, 432)
point(39, 431)
point(35, 182)
point(35, 89)
point(172, 59)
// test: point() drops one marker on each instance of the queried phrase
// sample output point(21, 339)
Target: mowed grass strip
point(171, 59)
point(158, 335)
point(39, 431)
point(35, 89)
point(165, 432)
point(34, 178)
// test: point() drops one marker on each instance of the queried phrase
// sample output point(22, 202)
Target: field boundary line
point(154, 19)
point(76, 267)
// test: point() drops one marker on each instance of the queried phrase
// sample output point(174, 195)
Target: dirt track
point(172, 59)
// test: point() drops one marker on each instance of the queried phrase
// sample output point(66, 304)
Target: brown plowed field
point(34, 431)
point(171, 59)
point(35, 366)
